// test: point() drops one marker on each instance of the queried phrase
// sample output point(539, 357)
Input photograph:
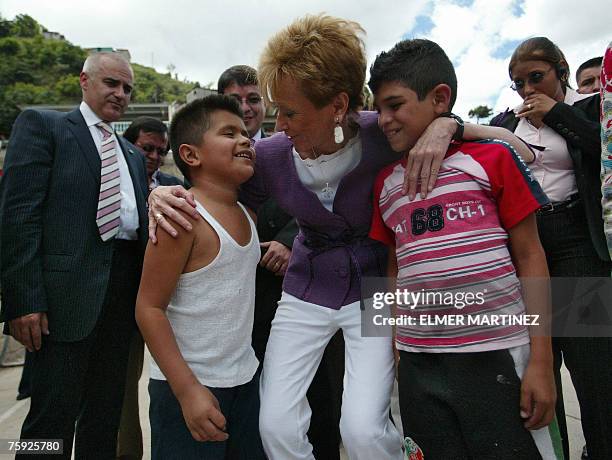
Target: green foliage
point(482, 111)
point(68, 88)
point(25, 26)
point(5, 27)
point(10, 46)
point(151, 86)
point(35, 70)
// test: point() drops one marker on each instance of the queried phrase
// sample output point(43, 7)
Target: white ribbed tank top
point(211, 312)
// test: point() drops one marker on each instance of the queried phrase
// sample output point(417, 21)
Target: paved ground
point(12, 412)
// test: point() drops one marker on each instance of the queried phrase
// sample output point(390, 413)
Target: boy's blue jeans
point(170, 437)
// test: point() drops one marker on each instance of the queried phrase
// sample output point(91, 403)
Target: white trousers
point(300, 332)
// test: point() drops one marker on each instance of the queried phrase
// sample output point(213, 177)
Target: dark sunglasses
point(148, 148)
point(533, 78)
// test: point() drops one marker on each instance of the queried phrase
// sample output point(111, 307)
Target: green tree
point(68, 88)
point(5, 27)
point(25, 26)
point(34, 70)
point(482, 111)
point(9, 46)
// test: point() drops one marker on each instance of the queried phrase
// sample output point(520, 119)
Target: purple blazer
point(332, 251)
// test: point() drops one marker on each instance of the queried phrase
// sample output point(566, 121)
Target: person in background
point(277, 230)
point(587, 76)
point(150, 135)
point(240, 82)
point(563, 126)
point(73, 225)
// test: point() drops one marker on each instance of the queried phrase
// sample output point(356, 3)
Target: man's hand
point(163, 202)
point(28, 330)
point(535, 107)
point(276, 258)
point(425, 158)
point(538, 395)
point(202, 415)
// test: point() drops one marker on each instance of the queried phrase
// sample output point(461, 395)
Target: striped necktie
point(109, 201)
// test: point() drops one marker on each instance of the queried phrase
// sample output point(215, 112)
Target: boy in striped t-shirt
point(472, 382)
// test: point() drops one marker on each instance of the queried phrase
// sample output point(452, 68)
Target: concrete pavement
point(13, 412)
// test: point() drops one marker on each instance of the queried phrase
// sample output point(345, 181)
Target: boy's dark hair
point(593, 62)
point(191, 122)
point(146, 125)
point(242, 75)
point(418, 64)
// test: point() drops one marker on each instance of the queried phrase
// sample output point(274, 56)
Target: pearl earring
point(338, 133)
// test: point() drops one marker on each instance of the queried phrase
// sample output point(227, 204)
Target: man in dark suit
point(73, 233)
point(277, 230)
point(150, 135)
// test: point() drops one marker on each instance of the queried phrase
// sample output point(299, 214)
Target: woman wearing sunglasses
point(562, 127)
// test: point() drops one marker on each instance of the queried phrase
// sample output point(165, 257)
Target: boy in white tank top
point(196, 299)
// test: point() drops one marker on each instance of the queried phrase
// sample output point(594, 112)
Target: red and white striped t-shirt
point(454, 242)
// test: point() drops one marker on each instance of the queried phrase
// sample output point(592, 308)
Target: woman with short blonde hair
point(326, 55)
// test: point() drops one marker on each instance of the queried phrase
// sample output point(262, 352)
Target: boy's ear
point(441, 98)
point(190, 155)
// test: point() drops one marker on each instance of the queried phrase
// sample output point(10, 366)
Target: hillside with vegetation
point(39, 70)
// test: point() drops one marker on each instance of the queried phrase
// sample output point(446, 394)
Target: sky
point(200, 39)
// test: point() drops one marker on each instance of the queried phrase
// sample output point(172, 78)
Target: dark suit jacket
point(579, 126)
point(168, 179)
point(274, 224)
point(52, 257)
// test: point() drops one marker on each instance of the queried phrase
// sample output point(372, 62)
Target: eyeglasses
point(533, 78)
point(251, 100)
point(148, 148)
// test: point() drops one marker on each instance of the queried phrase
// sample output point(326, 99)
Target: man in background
point(150, 135)
point(587, 76)
point(73, 225)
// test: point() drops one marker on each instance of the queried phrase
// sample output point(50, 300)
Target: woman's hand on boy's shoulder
point(164, 203)
point(203, 415)
point(538, 395)
point(425, 158)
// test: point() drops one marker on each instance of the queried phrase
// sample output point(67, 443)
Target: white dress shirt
point(553, 167)
point(257, 136)
point(128, 216)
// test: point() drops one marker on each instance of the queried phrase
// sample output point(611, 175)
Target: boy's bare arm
point(163, 266)
point(538, 394)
